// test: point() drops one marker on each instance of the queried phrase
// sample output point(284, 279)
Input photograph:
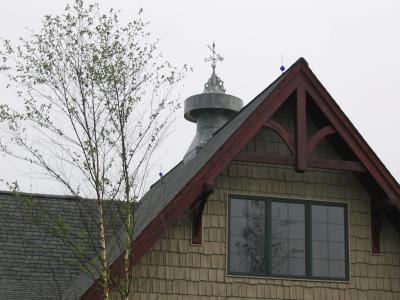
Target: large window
point(287, 238)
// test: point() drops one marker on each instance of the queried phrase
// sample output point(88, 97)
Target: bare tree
point(97, 97)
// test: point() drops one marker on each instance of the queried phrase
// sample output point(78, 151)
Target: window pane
point(328, 241)
point(336, 232)
point(320, 250)
point(279, 211)
point(337, 269)
point(296, 266)
point(320, 267)
point(336, 251)
point(320, 231)
point(287, 239)
point(335, 215)
point(296, 212)
point(319, 213)
point(247, 236)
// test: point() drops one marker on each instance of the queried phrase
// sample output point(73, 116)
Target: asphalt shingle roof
point(33, 262)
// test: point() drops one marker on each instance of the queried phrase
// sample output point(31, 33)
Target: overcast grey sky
point(352, 46)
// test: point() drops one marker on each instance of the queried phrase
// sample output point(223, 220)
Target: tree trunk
point(103, 254)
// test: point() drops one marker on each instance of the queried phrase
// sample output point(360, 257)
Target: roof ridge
point(44, 195)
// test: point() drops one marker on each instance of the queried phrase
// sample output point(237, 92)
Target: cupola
point(211, 109)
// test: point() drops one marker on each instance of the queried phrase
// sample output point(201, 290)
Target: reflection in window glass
point(272, 237)
point(247, 236)
point(287, 239)
point(328, 241)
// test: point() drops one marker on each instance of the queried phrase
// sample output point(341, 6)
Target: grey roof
point(165, 189)
point(34, 264)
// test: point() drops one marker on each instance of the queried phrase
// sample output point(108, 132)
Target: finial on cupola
point(211, 109)
point(214, 84)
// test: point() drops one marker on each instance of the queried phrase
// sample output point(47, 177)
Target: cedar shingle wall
point(174, 269)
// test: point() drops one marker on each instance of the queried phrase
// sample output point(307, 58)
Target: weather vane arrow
point(214, 56)
point(214, 84)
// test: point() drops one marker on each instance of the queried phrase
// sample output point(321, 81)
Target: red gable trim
point(298, 75)
point(352, 137)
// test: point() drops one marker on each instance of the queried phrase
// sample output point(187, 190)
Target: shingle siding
point(175, 269)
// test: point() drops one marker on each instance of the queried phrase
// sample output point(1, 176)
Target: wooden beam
point(197, 213)
point(301, 129)
point(318, 136)
point(381, 204)
point(335, 164)
point(265, 158)
point(283, 133)
point(376, 227)
point(319, 163)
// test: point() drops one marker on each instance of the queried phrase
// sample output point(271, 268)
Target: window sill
point(327, 280)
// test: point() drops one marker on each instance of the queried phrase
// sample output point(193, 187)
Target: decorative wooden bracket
point(318, 136)
point(283, 133)
point(197, 213)
point(376, 227)
point(379, 209)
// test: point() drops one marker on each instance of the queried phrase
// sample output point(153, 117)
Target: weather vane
point(214, 84)
point(214, 57)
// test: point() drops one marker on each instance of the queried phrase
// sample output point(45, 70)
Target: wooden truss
point(299, 146)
